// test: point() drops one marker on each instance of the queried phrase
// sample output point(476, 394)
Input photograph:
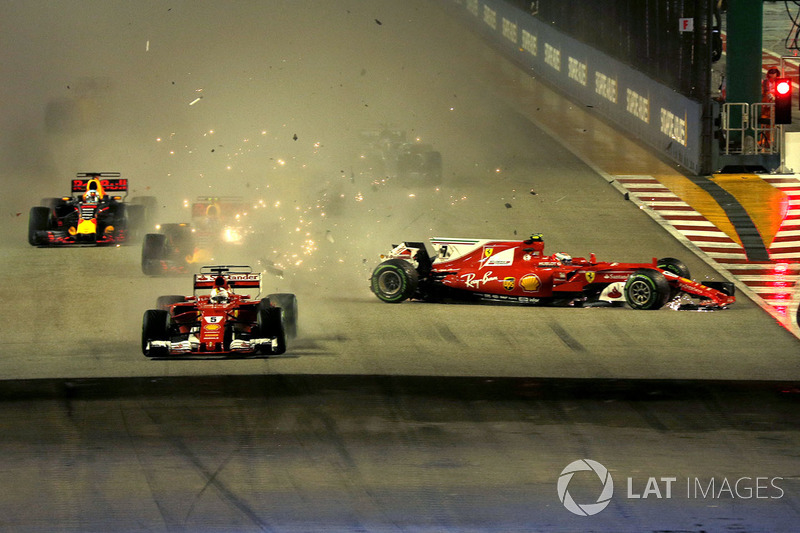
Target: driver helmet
point(564, 258)
point(91, 196)
point(220, 294)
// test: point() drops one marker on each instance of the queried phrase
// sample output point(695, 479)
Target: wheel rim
point(640, 292)
point(389, 283)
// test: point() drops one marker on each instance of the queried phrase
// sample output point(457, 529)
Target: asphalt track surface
point(410, 417)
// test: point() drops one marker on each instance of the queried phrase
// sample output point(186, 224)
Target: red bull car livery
point(518, 271)
point(95, 213)
point(220, 318)
point(217, 224)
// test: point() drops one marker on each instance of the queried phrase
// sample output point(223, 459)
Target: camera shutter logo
point(586, 509)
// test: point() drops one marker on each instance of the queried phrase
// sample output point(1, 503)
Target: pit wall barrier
point(792, 151)
point(662, 118)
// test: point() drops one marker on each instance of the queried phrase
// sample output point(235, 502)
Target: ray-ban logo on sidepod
point(605, 487)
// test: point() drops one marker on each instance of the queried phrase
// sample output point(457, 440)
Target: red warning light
point(783, 101)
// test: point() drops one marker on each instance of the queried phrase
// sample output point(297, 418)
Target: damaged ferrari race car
point(518, 271)
point(221, 322)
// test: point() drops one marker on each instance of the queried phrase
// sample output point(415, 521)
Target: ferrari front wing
point(240, 346)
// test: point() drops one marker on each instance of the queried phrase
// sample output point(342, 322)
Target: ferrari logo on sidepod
point(589, 277)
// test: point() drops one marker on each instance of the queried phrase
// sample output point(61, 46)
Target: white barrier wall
point(792, 151)
point(665, 120)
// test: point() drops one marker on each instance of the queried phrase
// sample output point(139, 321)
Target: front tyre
point(676, 266)
point(39, 220)
point(394, 280)
point(269, 324)
point(153, 252)
point(288, 303)
point(155, 328)
point(647, 289)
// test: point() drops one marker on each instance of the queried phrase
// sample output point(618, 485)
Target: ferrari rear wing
point(237, 276)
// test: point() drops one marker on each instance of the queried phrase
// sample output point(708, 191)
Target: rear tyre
point(134, 225)
point(394, 280)
point(647, 289)
point(153, 252)
point(38, 220)
point(155, 327)
point(269, 322)
point(150, 206)
point(288, 303)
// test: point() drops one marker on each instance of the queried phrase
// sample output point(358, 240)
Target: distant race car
point(216, 222)
point(222, 321)
point(519, 271)
point(387, 155)
point(95, 213)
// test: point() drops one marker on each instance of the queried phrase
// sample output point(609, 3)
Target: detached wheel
point(153, 252)
point(155, 328)
point(288, 303)
point(394, 280)
point(38, 220)
point(647, 289)
point(269, 322)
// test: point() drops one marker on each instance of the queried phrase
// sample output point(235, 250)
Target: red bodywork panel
point(520, 269)
point(212, 319)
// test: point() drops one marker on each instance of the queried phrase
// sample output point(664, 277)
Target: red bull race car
point(222, 321)
point(518, 271)
point(95, 213)
point(217, 224)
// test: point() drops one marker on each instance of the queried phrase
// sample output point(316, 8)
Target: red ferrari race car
point(96, 213)
point(519, 271)
point(221, 322)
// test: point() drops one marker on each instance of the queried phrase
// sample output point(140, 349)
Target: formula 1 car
point(388, 155)
point(519, 271)
point(215, 223)
point(221, 322)
point(95, 213)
